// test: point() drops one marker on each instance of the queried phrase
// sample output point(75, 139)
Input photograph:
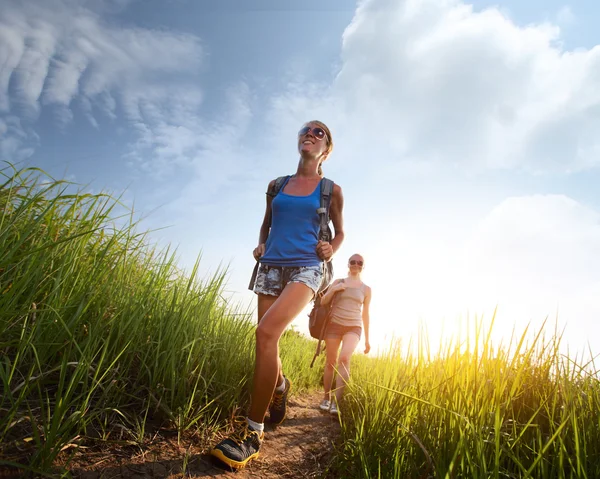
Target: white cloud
point(440, 82)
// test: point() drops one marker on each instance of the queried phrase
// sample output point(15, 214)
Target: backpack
point(325, 233)
point(319, 317)
point(318, 320)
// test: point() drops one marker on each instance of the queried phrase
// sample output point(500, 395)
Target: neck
point(354, 276)
point(308, 167)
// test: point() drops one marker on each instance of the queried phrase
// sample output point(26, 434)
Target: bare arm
point(366, 318)
point(336, 211)
point(265, 227)
point(336, 286)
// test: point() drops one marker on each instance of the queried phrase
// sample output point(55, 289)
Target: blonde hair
point(329, 143)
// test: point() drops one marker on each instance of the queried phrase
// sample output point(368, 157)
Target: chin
point(307, 150)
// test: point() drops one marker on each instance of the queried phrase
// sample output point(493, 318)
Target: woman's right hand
point(259, 251)
point(340, 286)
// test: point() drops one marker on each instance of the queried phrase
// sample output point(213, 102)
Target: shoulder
point(367, 289)
point(276, 184)
point(336, 189)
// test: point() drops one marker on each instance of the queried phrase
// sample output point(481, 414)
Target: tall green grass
point(101, 335)
point(472, 411)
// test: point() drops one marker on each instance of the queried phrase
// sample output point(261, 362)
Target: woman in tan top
point(349, 313)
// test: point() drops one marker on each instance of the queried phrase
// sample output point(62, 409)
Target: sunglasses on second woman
point(317, 132)
point(353, 262)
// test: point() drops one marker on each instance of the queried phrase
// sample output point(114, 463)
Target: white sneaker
point(334, 409)
point(325, 405)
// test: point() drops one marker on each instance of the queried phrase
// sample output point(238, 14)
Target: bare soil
point(301, 447)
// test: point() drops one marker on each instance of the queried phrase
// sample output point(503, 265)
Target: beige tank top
point(347, 306)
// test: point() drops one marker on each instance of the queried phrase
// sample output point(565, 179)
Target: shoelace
point(241, 432)
point(277, 399)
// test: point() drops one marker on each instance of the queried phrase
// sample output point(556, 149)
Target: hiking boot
point(239, 448)
point(325, 405)
point(278, 406)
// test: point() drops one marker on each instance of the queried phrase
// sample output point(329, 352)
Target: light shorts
point(338, 331)
point(271, 280)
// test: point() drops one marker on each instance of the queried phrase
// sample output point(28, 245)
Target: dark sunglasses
point(318, 133)
point(353, 262)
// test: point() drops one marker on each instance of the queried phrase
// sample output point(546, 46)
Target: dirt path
point(301, 448)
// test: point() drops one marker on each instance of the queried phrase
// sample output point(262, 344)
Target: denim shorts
point(338, 331)
point(271, 280)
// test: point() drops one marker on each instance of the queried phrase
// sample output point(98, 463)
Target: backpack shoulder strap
point(276, 188)
point(323, 210)
point(326, 193)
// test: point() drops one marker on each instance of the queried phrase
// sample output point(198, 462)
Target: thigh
point(290, 303)
point(332, 345)
point(264, 303)
point(349, 343)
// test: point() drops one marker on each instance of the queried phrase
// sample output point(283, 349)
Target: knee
point(344, 361)
point(330, 364)
point(265, 338)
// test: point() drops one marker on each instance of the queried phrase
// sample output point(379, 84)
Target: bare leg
point(291, 302)
point(264, 303)
point(332, 345)
point(349, 343)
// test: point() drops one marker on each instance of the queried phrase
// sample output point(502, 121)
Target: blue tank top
point(294, 231)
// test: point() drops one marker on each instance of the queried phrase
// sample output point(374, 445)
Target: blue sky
point(465, 138)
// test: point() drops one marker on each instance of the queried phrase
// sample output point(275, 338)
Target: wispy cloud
point(66, 56)
point(565, 16)
point(17, 142)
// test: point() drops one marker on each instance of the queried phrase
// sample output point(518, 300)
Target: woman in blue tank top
point(292, 261)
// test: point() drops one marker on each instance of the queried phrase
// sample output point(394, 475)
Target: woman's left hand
point(367, 347)
point(324, 250)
